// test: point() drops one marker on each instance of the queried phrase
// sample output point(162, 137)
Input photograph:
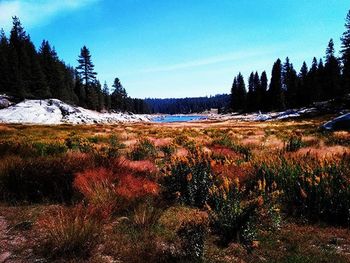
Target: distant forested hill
point(188, 105)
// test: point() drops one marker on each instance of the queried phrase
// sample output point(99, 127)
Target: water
point(178, 118)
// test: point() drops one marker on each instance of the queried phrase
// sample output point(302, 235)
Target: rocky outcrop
point(340, 123)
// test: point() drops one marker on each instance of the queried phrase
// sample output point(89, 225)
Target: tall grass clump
point(294, 143)
point(226, 141)
point(145, 149)
point(232, 218)
point(69, 232)
point(189, 179)
point(317, 190)
point(41, 179)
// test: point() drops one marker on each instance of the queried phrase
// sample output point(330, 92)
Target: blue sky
point(181, 48)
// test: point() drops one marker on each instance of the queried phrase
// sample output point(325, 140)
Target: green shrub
point(49, 149)
point(69, 233)
point(145, 149)
point(318, 191)
point(189, 180)
point(168, 150)
point(232, 219)
point(294, 143)
point(40, 179)
point(77, 143)
point(226, 141)
point(186, 228)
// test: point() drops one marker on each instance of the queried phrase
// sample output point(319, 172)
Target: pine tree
point(290, 82)
point(263, 88)
point(315, 90)
point(4, 63)
point(332, 73)
point(276, 98)
point(118, 96)
point(303, 86)
point(258, 92)
point(345, 51)
point(320, 80)
point(107, 96)
point(86, 67)
point(37, 84)
point(234, 92)
point(251, 103)
point(241, 93)
point(20, 64)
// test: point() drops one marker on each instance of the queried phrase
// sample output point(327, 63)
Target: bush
point(145, 149)
point(51, 149)
point(74, 142)
point(113, 189)
point(294, 143)
point(41, 179)
point(69, 232)
point(226, 141)
point(189, 180)
point(187, 228)
point(232, 219)
point(312, 189)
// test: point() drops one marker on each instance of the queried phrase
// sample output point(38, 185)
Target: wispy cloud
point(210, 60)
point(35, 12)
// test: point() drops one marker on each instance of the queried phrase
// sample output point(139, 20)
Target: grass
point(213, 192)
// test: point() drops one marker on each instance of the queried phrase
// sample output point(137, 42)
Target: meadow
point(184, 192)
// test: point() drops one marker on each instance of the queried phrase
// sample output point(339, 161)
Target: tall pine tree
point(332, 73)
point(345, 52)
point(276, 98)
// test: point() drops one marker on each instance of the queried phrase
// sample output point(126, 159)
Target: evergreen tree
point(234, 96)
point(79, 89)
point(315, 89)
point(118, 96)
point(37, 84)
point(241, 93)
point(20, 64)
point(276, 100)
point(251, 97)
point(290, 82)
point(303, 86)
point(107, 97)
point(4, 63)
point(345, 51)
point(332, 73)
point(86, 67)
point(320, 81)
point(258, 92)
point(263, 89)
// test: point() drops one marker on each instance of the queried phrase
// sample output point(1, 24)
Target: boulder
point(340, 123)
point(4, 103)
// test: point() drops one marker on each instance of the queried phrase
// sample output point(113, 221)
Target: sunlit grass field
point(184, 192)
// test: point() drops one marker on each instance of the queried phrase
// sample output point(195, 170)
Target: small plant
point(168, 150)
point(69, 232)
point(294, 143)
point(145, 149)
point(77, 143)
point(190, 227)
point(225, 141)
point(189, 180)
point(314, 189)
point(232, 219)
point(145, 216)
point(44, 149)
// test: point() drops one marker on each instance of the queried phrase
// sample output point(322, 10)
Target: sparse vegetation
point(97, 192)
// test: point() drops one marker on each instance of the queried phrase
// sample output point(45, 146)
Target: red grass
point(132, 187)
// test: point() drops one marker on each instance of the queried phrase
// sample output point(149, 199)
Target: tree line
point(26, 73)
point(288, 89)
point(188, 105)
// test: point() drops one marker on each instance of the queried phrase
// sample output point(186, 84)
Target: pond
point(178, 118)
